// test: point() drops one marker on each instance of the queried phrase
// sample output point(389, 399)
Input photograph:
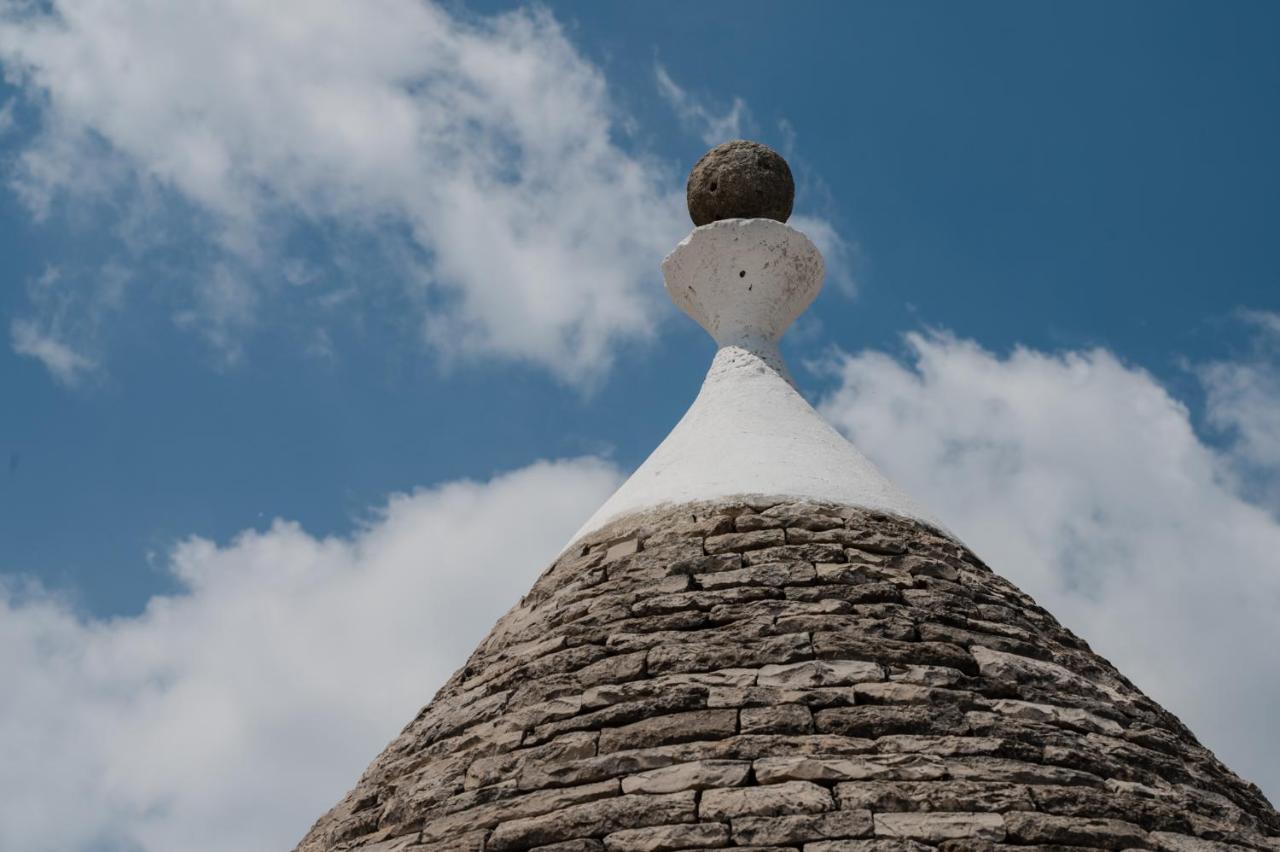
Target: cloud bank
point(228, 717)
point(1082, 480)
point(483, 156)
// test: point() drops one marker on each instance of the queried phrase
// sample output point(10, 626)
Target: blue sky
point(1009, 171)
point(287, 264)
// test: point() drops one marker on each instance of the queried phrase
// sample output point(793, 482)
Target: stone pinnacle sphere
point(740, 180)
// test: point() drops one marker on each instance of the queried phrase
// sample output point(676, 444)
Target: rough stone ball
point(740, 180)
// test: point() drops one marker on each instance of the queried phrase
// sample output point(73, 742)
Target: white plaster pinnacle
point(750, 433)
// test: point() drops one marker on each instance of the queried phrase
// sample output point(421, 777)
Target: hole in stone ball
point(712, 188)
point(742, 274)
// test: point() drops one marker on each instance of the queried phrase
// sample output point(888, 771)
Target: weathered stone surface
point(937, 826)
point(904, 767)
point(493, 770)
point(772, 696)
point(594, 819)
point(641, 703)
point(776, 719)
point(881, 721)
point(583, 845)
point(697, 775)
point(1017, 771)
point(739, 542)
point(470, 842)
point(668, 838)
point(793, 797)
point(740, 180)
point(927, 675)
point(815, 673)
point(804, 828)
point(953, 746)
point(1072, 717)
point(619, 549)
point(1025, 827)
point(678, 727)
point(933, 796)
point(765, 574)
point(489, 814)
point(1149, 808)
point(709, 656)
point(1170, 842)
point(843, 646)
point(876, 845)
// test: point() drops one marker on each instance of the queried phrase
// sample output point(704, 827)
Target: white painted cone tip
point(744, 279)
point(749, 433)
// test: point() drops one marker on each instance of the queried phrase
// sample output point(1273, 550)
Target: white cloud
point(1244, 397)
point(229, 716)
point(225, 304)
point(476, 166)
point(711, 126)
point(486, 150)
point(63, 363)
point(69, 304)
point(1082, 480)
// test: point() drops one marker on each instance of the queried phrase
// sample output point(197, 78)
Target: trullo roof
point(760, 643)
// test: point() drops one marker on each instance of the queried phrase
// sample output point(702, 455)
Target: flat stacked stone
point(786, 677)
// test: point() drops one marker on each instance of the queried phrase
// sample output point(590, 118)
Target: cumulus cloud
point(230, 715)
point(1082, 480)
point(483, 153)
point(1244, 397)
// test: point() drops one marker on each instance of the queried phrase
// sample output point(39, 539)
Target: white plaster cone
point(750, 433)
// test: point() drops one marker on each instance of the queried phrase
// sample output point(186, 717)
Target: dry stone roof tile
point(792, 678)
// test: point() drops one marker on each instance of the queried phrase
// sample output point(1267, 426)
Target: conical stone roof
point(760, 643)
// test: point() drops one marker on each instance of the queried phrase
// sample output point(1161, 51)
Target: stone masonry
point(785, 677)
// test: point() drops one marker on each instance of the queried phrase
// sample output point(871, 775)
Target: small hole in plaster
point(742, 274)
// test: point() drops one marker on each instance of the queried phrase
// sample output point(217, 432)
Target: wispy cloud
point(66, 309)
point(1243, 404)
point(7, 120)
point(710, 125)
point(224, 307)
point(481, 156)
point(64, 363)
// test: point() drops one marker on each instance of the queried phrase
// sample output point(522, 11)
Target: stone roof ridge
point(750, 432)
